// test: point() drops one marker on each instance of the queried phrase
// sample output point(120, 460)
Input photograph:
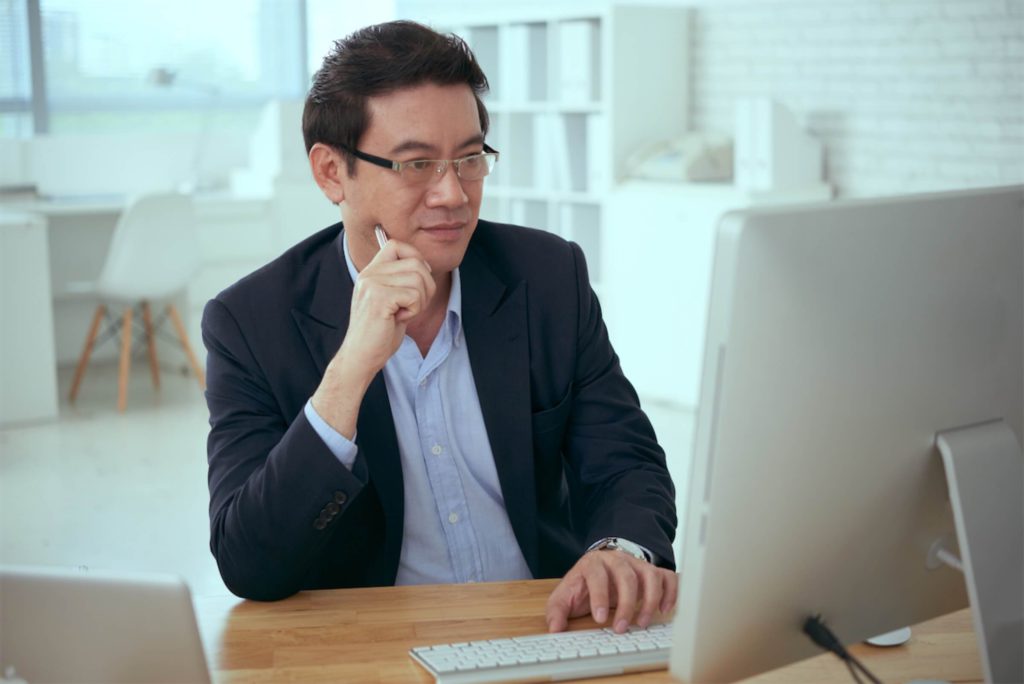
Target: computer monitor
point(842, 339)
point(72, 625)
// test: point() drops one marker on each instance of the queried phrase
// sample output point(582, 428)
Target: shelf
point(571, 101)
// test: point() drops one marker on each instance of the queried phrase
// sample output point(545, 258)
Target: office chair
point(153, 255)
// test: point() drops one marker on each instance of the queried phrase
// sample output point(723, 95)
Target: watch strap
point(623, 545)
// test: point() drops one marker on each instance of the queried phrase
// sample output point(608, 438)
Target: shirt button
point(436, 449)
point(453, 518)
point(423, 382)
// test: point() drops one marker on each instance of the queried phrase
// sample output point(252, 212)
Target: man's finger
point(560, 604)
point(390, 285)
point(402, 302)
point(670, 581)
point(395, 250)
point(626, 585)
point(596, 576)
point(651, 592)
point(394, 272)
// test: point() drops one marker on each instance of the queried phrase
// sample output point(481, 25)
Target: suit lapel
point(495, 325)
point(324, 322)
point(323, 325)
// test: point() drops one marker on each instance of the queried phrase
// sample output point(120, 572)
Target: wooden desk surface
point(363, 635)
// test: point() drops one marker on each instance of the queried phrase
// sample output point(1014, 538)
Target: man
point(442, 408)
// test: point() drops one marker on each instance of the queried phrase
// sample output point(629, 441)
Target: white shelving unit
point(659, 272)
point(574, 92)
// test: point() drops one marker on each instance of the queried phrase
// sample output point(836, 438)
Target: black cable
point(866, 671)
point(821, 635)
point(853, 672)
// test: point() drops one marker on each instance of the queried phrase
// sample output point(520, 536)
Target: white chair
point(153, 255)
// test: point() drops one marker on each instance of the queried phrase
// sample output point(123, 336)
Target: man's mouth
point(444, 231)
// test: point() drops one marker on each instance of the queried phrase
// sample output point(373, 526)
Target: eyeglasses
point(473, 167)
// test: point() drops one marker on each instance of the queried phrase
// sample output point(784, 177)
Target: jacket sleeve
point(276, 490)
point(618, 476)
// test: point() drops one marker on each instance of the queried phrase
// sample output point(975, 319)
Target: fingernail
point(601, 615)
point(644, 621)
point(428, 266)
point(621, 626)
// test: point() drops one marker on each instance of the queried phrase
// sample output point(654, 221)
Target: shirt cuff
point(344, 450)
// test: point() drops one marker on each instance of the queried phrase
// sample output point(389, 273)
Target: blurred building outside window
point(227, 59)
point(15, 70)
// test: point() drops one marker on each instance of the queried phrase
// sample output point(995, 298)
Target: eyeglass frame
point(398, 166)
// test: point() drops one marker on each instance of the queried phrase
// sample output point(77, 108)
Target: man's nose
point(447, 190)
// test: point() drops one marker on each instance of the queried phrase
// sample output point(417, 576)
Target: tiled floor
point(128, 492)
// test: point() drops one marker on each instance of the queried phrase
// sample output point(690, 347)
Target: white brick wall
point(907, 95)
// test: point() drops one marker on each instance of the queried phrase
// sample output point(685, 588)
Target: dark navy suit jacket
point(576, 458)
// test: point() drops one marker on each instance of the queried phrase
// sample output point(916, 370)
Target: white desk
point(70, 238)
point(71, 206)
point(28, 375)
point(46, 245)
point(78, 235)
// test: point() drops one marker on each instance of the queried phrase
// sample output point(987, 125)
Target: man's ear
point(329, 171)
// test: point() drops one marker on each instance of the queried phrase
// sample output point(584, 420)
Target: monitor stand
point(985, 474)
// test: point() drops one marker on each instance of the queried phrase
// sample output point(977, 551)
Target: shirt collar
point(454, 316)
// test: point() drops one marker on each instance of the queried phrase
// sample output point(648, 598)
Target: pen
point(382, 237)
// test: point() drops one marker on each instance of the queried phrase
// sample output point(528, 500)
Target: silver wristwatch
point(624, 545)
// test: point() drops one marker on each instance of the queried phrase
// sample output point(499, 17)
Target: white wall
point(907, 95)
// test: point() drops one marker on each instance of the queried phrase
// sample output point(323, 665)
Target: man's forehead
point(425, 116)
point(427, 146)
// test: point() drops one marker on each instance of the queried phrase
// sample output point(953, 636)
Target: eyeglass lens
point(469, 168)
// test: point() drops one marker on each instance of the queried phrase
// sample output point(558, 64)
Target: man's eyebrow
point(427, 148)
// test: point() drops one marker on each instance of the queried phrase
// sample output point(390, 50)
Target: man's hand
point(605, 579)
point(393, 288)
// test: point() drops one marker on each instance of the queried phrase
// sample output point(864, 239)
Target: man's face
point(422, 122)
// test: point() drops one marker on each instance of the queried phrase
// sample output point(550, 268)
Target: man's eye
point(420, 165)
point(475, 160)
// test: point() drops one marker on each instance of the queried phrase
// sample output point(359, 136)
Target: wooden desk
point(363, 635)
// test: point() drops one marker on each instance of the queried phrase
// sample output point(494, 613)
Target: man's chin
point(443, 248)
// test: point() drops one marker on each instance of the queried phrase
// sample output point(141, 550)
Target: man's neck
point(424, 328)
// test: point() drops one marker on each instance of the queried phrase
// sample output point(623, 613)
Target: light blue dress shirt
point(456, 528)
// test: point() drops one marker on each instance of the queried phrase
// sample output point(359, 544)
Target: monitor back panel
point(841, 338)
point(80, 626)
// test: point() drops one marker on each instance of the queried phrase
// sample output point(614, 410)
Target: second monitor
point(842, 340)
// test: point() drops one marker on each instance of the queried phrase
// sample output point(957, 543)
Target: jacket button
point(319, 523)
point(340, 498)
point(332, 509)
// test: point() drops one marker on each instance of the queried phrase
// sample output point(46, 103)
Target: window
point(15, 71)
point(124, 65)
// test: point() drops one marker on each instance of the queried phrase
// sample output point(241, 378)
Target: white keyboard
point(548, 657)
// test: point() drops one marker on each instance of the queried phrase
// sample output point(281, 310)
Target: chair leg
point(83, 360)
point(154, 367)
point(193, 361)
point(126, 360)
